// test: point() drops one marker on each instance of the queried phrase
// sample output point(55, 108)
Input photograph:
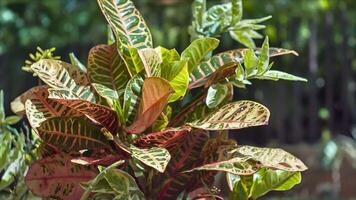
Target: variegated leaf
point(128, 26)
point(197, 51)
point(154, 157)
point(56, 177)
point(199, 76)
point(155, 94)
point(98, 113)
point(237, 115)
point(72, 134)
point(185, 155)
point(64, 76)
point(272, 158)
point(40, 108)
point(167, 139)
point(132, 97)
point(106, 67)
point(149, 59)
point(246, 160)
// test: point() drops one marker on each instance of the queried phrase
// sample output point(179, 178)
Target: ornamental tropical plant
point(131, 125)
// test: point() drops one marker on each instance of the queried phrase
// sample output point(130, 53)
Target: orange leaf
point(155, 93)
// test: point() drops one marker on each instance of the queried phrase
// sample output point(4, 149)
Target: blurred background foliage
point(322, 31)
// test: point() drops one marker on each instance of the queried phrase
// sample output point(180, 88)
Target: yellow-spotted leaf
point(272, 158)
point(154, 157)
point(128, 27)
point(247, 160)
point(106, 67)
point(98, 113)
point(64, 76)
point(199, 76)
point(72, 134)
point(39, 107)
point(237, 115)
point(155, 94)
point(56, 177)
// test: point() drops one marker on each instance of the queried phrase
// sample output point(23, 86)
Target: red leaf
point(56, 177)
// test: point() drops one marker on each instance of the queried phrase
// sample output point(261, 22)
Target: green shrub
point(130, 110)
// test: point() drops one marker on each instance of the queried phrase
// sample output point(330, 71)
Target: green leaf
point(99, 182)
point(180, 83)
point(241, 114)
point(236, 11)
point(201, 74)
point(240, 185)
point(277, 75)
point(243, 37)
point(199, 7)
point(107, 93)
point(75, 61)
point(251, 62)
point(163, 120)
point(132, 97)
point(56, 177)
point(72, 134)
point(2, 110)
point(150, 59)
point(63, 76)
point(266, 180)
point(197, 51)
point(106, 67)
point(11, 120)
point(155, 94)
point(123, 184)
point(263, 60)
point(5, 147)
point(216, 94)
point(128, 26)
point(154, 157)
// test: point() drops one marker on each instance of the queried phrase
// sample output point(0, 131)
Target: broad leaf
point(132, 97)
point(155, 94)
point(124, 185)
point(128, 26)
point(72, 134)
point(272, 158)
point(277, 75)
point(154, 157)
point(99, 114)
point(238, 115)
point(167, 139)
point(216, 94)
point(56, 177)
point(149, 59)
point(39, 107)
point(264, 181)
point(106, 67)
point(180, 84)
point(197, 51)
point(199, 76)
point(64, 76)
point(185, 155)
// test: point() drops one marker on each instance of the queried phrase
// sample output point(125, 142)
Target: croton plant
point(145, 122)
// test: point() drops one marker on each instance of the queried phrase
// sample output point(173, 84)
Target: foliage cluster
point(128, 109)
